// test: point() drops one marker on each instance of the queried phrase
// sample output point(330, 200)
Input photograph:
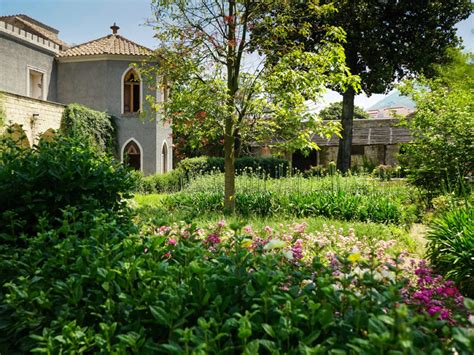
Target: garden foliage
point(451, 246)
point(94, 285)
point(80, 277)
point(333, 196)
point(94, 126)
point(440, 157)
point(37, 184)
point(334, 112)
point(268, 166)
point(190, 168)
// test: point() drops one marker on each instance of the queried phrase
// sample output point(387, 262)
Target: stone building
point(374, 142)
point(39, 74)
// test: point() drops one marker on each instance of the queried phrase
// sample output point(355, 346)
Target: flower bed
point(94, 285)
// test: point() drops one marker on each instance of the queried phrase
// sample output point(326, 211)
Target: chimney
point(114, 28)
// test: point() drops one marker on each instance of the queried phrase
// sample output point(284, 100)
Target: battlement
point(17, 33)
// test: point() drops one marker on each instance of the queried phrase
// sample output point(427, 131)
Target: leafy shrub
point(3, 116)
point(170, 182)
point(440, 157)
point(178, 290)
point(94, 126)
point(451, 247)
point(40, 182)
point(269, 166)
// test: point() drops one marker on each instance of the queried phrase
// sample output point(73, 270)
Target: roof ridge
point(111, 39)
point(88, 42)
point(112, 44)
point(135, 43)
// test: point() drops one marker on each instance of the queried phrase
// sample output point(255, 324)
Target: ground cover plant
point(87, 287)
point(353, 198)
point(84, 278)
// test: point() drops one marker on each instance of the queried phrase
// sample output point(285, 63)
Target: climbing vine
point(3, 115)
point(95, 126)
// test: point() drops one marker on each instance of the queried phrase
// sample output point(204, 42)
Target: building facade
point(40, 70)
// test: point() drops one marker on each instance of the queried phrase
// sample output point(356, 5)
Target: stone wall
point(35, 116)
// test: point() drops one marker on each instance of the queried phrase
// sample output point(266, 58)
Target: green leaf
point(159, 314)
point(268, 329)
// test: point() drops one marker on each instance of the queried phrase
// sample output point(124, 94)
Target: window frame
point(122, 92)
point(122, 153)
point(30, 69)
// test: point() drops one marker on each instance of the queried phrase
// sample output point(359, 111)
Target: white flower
point(274, 244)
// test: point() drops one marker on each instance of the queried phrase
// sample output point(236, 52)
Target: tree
point(386, 41)
point(334, 112)
point(441, 155)
point(215, 92)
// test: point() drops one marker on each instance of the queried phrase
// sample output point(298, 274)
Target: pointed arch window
point(131, 92)
point(132, 155)
point(164, 158)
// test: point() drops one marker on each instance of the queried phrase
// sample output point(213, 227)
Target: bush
point(269, 166)
point(39, 183)
point(440, 157)
point(178, 290)
point(451, 247)
point(93, 126)
point(170, 182)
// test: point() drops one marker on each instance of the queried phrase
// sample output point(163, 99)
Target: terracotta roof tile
point(112, 44)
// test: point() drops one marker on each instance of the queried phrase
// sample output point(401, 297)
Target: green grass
point(345, 198)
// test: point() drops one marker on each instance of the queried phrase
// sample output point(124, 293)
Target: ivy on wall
point(95, 126)
point(3, 115)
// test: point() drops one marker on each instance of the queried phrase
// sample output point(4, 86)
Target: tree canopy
point(218, 89)
point(386, 41)
point(334, 112)
point(441, 155)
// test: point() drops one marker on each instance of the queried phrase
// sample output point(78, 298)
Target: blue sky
point(80, 21)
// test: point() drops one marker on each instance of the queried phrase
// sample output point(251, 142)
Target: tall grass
point(345, 198)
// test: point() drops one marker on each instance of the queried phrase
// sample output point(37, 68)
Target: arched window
point(164, 158)
point(131, 91)
point(132, 155)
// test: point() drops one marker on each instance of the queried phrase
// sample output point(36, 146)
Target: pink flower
point(212, 239)
point(248, 229)
point(268, 229)
point(297, 250)
point(167, 255)
point(172, 241)
point(221, 223)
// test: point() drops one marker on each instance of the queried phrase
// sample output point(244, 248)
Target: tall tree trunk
point(233, 67)
point(345, 143)
point(229, 167)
